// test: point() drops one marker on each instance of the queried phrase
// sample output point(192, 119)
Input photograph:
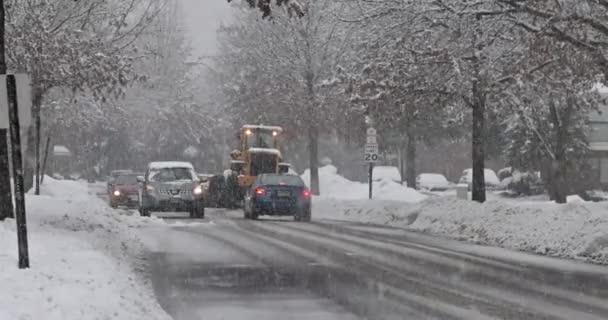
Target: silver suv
point(169, 186)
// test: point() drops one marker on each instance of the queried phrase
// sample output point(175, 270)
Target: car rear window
point(282, 180)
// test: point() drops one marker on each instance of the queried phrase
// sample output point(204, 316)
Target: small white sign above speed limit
point(371, 152)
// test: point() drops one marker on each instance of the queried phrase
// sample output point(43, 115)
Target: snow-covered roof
point(61, 151)
point(433, 177)
point(191, 151)
point(598, 146)
point(263, 127)
point(601, 115)
point(265, 150)
point(170, 164)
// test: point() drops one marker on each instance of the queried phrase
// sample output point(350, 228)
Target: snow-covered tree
point(80, 46)
point(550, 106)
point(276, 71)
point(581, 24)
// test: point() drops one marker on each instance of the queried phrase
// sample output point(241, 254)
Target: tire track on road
point(488, 299)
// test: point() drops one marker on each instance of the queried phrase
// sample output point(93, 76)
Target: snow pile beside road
point(82, 256)
point(576, 230)
point(335, 186)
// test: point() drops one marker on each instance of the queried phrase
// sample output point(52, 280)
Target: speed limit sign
point(371, 152)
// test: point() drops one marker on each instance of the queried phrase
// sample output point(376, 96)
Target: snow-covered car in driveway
point(490, 176)
point(169, 186)
point(124, 191)
point(386, 173)
point(432, 182)
point(278, 195)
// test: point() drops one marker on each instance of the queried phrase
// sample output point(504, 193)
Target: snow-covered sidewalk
point(577, 230)
point(82, 256)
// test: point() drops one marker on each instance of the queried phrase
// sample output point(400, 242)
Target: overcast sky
point(202, 17)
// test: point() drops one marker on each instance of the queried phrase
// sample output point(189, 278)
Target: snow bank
point(82, 257)
point(576, 230)
point(334, 186)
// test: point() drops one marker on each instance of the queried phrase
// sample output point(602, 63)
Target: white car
point(491, 178)
point(386, 173)
point(432, 182)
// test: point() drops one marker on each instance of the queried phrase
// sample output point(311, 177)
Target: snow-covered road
point(225, 267)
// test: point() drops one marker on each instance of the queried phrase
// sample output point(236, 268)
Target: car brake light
point(260, 191)
point(306, 193)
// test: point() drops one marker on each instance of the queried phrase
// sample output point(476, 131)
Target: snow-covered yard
point(576, 230)
point(83, 257)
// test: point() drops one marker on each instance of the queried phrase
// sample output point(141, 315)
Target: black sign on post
point(15, 133)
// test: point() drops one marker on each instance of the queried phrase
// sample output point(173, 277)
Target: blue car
point(278, 195)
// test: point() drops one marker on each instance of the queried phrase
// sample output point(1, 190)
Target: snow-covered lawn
point(82, 256)
point(334, 186)
point(576, 230)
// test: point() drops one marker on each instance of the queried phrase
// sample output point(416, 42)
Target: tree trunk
point(33, 143)
point(313, 134)
point(45, 158)
point(410, 162)
point(478, 183)
point(37, 145)
point(402, 162)
point(559, 185)
point(479, 113)
point(313, 149)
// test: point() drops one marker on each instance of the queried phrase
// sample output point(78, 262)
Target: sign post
point(10, 97)
point(371, 155)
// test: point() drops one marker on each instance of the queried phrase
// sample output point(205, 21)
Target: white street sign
point(24, 100)
point(371, 139)
point(371, 152)
point(371, 132)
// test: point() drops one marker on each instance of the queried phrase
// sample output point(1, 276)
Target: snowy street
point(303, 160)
point(225, 267)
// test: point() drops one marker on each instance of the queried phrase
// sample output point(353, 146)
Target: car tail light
point(260, 191)
point(306, 193)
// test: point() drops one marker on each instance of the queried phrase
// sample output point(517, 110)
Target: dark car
point(171, 186)
point(124, 191)
point(278, 195)
point(216, 192)
point(113, 175)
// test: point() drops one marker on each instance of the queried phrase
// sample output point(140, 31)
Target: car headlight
point(116, 193)
point(198, 190)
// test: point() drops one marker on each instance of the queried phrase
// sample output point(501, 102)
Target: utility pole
point(6, 203)
point(15, 130)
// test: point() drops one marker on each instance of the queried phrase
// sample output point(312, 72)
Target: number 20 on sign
point(371, 152)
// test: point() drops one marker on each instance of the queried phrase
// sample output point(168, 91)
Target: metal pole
point(371, 167)
point(15, 134)
point(6, 202)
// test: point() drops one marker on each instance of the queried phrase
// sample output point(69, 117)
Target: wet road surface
point(225, 267)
